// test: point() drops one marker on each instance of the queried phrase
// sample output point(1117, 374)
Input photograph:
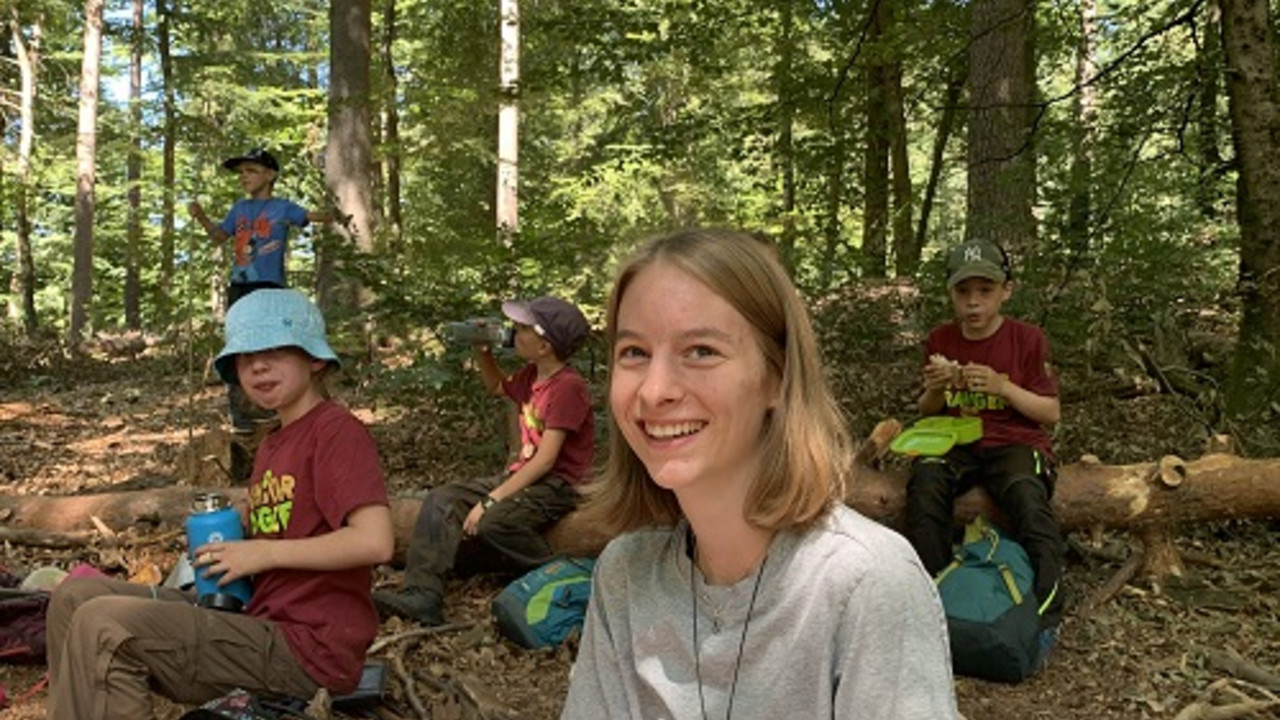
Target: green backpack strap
point(1010, 585)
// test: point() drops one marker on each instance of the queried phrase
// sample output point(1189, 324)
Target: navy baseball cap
point(256, 155)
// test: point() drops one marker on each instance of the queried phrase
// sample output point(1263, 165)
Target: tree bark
point(875, 171)
point(1146, 499)
point(133, 178)
point(1080, 200)
point(391, 122)
point(906, 253)
point(507, 202)
point(1255, 116)
point(349, 149)
point(950, 104)
point(86, 172)
point(24, 279)
point(165, 282)
point(1001, 158)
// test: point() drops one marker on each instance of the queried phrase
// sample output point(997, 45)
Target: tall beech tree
point(1254, 95)
point(86, 172)
point(1002, 169)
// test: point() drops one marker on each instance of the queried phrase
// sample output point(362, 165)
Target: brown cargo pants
point(110, 643)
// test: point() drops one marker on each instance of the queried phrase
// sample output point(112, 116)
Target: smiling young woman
point(741, 585)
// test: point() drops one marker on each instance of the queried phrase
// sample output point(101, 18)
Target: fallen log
point(1139, 498)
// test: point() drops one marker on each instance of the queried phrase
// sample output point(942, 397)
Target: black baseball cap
point(256, 155)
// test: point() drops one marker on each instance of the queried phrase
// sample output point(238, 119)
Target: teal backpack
point(542, 608)
point(992, 616)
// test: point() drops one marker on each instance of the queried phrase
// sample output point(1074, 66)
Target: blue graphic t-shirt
point(260, 227)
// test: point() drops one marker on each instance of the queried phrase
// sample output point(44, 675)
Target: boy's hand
point(195, 209)
point(981, 378)
point(937, 377)
point(235, 560)
point(472, 523)
point(941, 373)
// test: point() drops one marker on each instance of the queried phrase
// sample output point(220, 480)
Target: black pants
point(508, 538)
point(1019, 480)
point(242, 410)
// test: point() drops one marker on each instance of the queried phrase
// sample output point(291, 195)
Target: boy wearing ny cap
point(260, 224)
point(986, 364)
point(499, 520)
point(318, 521)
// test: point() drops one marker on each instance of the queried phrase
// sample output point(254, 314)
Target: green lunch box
point(937, 434)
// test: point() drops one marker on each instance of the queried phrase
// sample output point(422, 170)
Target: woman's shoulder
point(643, 541)
point(638, 551)
point(855, 546)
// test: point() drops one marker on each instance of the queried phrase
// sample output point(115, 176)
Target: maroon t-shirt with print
point(560, 402)
point(1017, 350)
point(307, 477)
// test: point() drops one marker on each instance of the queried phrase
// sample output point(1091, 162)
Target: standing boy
point(997, 368)
point(498, 521)
point(260, 224)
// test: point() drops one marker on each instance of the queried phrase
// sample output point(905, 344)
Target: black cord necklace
point(742, 643)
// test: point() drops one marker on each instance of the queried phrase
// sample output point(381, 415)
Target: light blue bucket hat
point(268, 319)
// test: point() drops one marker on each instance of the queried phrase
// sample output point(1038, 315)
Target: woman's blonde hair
point(805, 448)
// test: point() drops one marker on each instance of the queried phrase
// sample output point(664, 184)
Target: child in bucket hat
point(273, 319)
point(317, 523)
point(504, 515)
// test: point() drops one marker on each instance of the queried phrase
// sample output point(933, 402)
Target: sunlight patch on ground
point(41, 415)
point(126, 442)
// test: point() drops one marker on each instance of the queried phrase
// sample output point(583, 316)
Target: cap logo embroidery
point(972, 253)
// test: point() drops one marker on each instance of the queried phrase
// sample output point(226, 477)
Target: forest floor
point(70, 426)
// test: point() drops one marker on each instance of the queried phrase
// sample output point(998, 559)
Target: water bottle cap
point(209, 502)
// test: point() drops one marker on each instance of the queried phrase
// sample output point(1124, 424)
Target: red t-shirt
point(1017, 350)
point(560, 402)
point(307, 477)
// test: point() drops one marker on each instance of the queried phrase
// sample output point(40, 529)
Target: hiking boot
point(413, 604)
point(1046, 640)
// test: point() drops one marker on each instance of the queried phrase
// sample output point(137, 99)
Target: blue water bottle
point(212, 519)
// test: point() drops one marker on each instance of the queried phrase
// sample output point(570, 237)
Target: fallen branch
point(1109, 589)
point(410, 691)
point(383, 642)
point(1231, 662)
point(1205, 711)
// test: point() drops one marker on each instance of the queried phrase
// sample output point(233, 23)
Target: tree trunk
point(833, 193)
point(1209, 80)
point(1001, 91)
point(1255, 116)
point(950, 107)
point(875, 173)
point(23, 286)
point(906, 253)
point(86, 169)
point(349, 151)
point(391, 132)
point(133, 178)
point(165, 284)
point(1146, 498)
point(508, 181)
point(1080, 197)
